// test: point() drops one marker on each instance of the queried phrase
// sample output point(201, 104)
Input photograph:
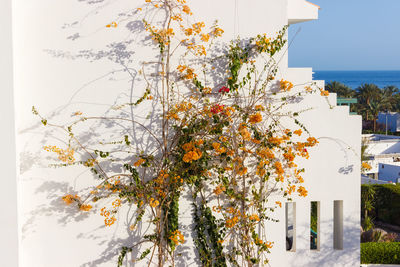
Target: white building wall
point(391, 119)
point(59, 83)
point(389, 172)
point(8, 196)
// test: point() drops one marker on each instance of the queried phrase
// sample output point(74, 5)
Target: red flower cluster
point(224, 89)
point(217, 108)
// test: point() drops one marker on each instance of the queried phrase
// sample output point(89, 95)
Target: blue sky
point(349, 35)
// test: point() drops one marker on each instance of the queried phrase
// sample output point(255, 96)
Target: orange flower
point(298, 132)
point(69, 199)
point(188, 146)
point(366, 166)
point(289, 156)
point(197, 26)
point(218, 32)
point(139, 162)
point(256, 118)
point(302, 191)
point(278, 168)
point(245, 134)
point(187, 10)
point(85, 207)
point(205, 37)
point(324, 93)
point(177, 237)
point(285, 85)
point(266, 153)
point(154, 203)
point(116, 203)
point(311, 141)
point(217, 147)
point(112, 24)
point(188, 31)
point(192, 155)
point(254, 217)
point(219, 189)
point(109, 221)
point(241, 170)
point(259, 107)
point(231, 222)
point(278, 203)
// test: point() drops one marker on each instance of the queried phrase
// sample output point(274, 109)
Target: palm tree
point(375, 106)
point(340, 89)
point(390, 94)
point(365, 94)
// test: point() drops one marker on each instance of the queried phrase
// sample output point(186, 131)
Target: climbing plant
point(226, 136)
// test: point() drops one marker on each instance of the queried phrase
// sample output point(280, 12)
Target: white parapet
point(300, 11)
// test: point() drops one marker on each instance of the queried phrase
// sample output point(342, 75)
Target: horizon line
point(353, 70)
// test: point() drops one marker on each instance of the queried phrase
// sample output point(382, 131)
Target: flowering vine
point(230, 144)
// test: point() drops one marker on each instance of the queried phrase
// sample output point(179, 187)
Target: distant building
point(391, 121)
point(382, 150)
point(367, 180)
point(347, 102)
point(389, 173)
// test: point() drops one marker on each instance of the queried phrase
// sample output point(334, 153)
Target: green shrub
point(386, 204)
point(380, 253)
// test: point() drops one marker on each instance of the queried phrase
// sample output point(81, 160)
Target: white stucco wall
point(8, 197)
point(60, 82)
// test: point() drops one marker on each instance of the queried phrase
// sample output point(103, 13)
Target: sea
point(354, 79)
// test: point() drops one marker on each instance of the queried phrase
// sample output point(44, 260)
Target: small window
point(290, 210)
point(383, 166)
point(314, 225)
point(338, 224)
